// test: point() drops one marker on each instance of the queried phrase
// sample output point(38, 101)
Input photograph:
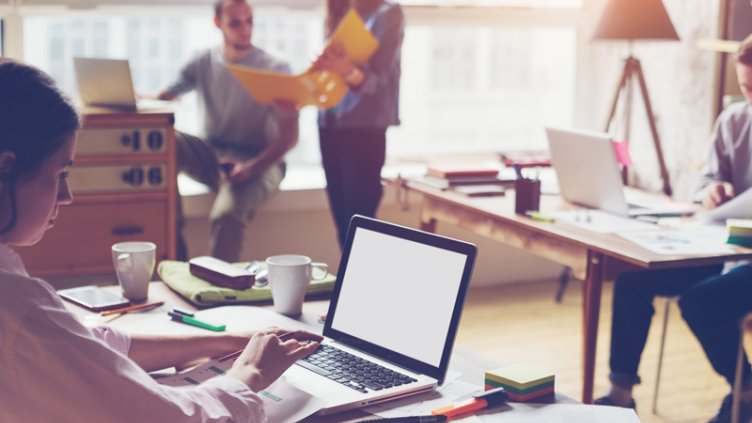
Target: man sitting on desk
point(707, 304)
point(245, 139)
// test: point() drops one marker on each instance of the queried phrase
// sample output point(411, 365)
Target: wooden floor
point(523, 324)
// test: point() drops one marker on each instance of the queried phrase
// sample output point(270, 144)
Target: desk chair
point(744, 326)
point(664, 327)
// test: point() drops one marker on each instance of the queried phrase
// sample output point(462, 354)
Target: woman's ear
point(7, 160)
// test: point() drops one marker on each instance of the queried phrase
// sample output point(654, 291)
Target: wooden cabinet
point(124, 189)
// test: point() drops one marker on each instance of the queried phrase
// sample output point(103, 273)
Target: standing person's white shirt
point(53, 369)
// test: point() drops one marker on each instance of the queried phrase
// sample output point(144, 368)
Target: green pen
point(189, 320)
point(539, 217)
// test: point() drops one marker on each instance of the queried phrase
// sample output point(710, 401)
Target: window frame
point(581, 19)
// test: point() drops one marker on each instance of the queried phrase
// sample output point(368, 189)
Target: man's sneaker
point(610, 402)
point(724, 413)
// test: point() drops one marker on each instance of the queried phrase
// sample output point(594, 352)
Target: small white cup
point(134, 264)
point(289, 276)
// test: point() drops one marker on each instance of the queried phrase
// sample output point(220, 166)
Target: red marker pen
point(477, 402)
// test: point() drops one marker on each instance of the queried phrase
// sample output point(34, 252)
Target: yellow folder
point(321, 89)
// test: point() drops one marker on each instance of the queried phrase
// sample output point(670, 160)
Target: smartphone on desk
point(93, 298)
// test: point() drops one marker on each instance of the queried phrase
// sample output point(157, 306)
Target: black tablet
point(93, 298)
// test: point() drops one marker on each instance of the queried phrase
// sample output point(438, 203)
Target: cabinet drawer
point(81, 239)
point(115, 178)
point(108, 141)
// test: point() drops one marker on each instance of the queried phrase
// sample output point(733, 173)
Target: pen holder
point(526, 195)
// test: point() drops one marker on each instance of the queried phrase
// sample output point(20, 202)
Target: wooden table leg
point(428, 224)
point(591, 292)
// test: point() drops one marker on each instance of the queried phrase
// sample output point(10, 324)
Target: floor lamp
point(636, 20)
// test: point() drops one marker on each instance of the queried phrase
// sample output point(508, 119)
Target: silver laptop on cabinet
point(108, 83)
point(105, 82)
point(588, 173)
point(392, 319)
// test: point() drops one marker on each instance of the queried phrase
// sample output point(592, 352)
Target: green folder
point(201, 293)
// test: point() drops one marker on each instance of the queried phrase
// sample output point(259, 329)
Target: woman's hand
point(334, 59)
point(270, 353)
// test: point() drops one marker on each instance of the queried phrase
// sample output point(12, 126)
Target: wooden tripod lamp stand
point(630, 20)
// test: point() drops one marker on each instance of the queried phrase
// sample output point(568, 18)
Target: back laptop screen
point(399, 294)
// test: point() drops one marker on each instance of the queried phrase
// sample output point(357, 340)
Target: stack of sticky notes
point(521, 382)
point(739, 232)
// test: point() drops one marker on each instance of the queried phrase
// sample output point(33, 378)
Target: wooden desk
point(470, 365)
point(592, 256)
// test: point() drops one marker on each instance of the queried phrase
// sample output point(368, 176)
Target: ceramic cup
point(289, 276)
point(134, 264)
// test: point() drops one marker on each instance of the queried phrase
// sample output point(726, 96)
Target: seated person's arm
point(155, 352)
point(286, 139)
point(717, 193)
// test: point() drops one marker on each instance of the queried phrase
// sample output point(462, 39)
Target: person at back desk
point(714, 308)
point(245, 139)
point(52, 368)
point(705, 297)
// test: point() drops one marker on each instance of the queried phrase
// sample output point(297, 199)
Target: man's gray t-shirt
point(730, 150)
point(232, 118)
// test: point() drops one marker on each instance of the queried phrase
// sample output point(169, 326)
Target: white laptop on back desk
point(108, 83)
point(392, 319)
point(588, 174)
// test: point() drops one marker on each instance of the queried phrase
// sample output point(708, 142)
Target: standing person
point(727, 172)
point(353, 134)
point(713, 309)
point(245, 139)
point(52, 368)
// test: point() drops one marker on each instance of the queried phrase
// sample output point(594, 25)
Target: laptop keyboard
point(352, 371)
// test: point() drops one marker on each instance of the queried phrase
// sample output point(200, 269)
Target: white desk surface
point(471, 366)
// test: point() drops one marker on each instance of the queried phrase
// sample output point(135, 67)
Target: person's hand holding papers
point(717, 193)
point(335, 59)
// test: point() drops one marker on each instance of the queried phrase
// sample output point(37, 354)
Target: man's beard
point(241, 46)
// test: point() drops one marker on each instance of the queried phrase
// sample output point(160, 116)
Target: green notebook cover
point(201, 293)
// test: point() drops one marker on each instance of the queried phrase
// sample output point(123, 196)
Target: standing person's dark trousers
point(713, 310)
point(633, 310)
point(352, 159)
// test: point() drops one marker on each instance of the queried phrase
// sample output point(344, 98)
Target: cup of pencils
point(526, 193)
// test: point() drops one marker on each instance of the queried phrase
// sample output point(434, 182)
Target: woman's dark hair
point(744, 54)
point(35, 119)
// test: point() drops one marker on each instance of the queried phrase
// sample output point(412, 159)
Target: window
point(471, 83)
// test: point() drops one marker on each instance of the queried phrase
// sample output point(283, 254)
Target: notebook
point(108, 83)
point(388, 337)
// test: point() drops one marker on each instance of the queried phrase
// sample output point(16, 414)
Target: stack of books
point(521, 382)
point(472, 179)
point(740, 232)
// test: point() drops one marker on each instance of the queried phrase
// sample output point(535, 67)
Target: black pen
point(411, 419)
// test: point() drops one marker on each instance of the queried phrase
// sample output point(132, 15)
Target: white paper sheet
point(282, 402)
point(598, 221)
point(739, 207)
point(553, 413)
point(422, 404)
point(700, 240)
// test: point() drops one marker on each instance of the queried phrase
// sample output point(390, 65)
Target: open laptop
point(108, 83)
point(588, 173)
point(392, 319)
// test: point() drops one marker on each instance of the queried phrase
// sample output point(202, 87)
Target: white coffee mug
point(134, 265)
point(289, 276)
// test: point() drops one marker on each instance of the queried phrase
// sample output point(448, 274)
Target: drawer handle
point(127, 230)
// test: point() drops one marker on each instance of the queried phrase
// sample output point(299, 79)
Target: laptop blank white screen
point(399, 294)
